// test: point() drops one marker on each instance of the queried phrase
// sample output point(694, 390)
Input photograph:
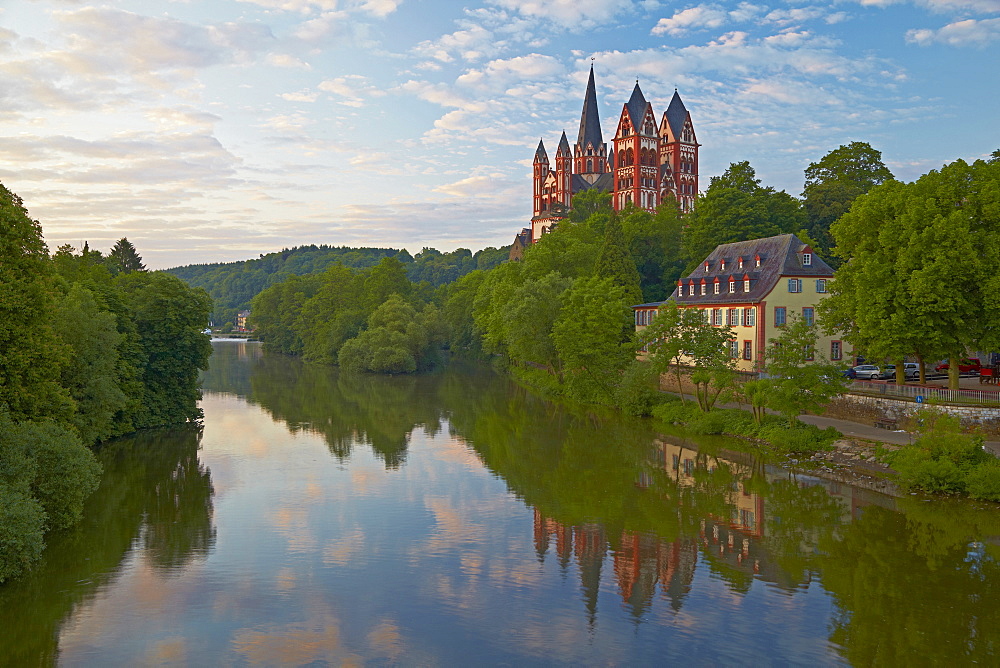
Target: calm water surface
point(319, 518)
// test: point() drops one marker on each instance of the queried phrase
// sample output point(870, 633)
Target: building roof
point(780, 256)
point(563, 146)
point(540, 154)
point(676, 114)
point(590, 120)
point(636, 106)
point(604, 182)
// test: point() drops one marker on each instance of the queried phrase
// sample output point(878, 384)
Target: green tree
point(92, 374)
point(654, 241)
point(832, 185)
point(799, 380)
point(919, 275)
point(169, 317)
point(682, 339)
point(736, 208)
point(616, 263)
point(124, 258)
point(398, 340)
point(31, 355)
point(587, 337)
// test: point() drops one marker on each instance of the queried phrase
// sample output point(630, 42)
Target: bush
point(942, 459)
point(22, 531)
point(66, 471)
point(983, 481)
point(637, 393)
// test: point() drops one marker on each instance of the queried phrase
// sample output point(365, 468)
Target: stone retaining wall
point(900, 408)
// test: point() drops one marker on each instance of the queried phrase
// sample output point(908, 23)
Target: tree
point(92, 374)
point(616, 263)
point(799, 380)
point(169, 317)
point(832, 185)
point(920, 275)
point(587, 337)
point(680, 337)
point(736, 208)
point(654, 242)
point(124, 259)
point(31, 355)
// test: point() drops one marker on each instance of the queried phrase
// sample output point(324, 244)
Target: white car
point(867, 372)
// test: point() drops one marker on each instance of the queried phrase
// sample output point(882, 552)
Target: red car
point(965, 365)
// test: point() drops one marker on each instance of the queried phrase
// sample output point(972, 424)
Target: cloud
point(499, 74)
point(353, 89)
point(971, 33)
point(692, 18)
point(569, 13)
point(300, 96)
point(285, 60)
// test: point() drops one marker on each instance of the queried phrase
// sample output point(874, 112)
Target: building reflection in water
point(734, 538)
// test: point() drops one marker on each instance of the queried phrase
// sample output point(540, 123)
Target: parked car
point(867, 371)
point(849, 373)
point(965, 365)
point(910, 369)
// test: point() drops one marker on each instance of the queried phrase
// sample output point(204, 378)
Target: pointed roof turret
point(676, 114)
point(590, 120)
point(636, 106)
point(563, 149)
point(540, 154)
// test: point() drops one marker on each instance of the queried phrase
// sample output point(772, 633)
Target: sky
point(218, 131)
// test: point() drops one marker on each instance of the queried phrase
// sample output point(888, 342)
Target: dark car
point(849, 373)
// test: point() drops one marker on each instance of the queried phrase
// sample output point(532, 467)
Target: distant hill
point(233, 284)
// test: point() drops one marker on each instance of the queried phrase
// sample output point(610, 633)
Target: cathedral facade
point(648, 162)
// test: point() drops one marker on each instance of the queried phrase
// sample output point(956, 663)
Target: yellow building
point(755, 287)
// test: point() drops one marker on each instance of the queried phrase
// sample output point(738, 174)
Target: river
point(319, 518)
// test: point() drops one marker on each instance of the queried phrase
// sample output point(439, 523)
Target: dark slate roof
point(780, 256)
point(676, 114)
point(540, 155)
point(590, 121)
point(563, 146)
point(636, 106)
point(605, 183)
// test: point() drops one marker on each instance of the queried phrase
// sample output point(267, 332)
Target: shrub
point(983, 481)
point(22, 531)
point(66, 471)
point(942, 458)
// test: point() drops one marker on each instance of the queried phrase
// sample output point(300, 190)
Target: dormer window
point(704, 287)
point(756, 260)
point(746, 285)
point(732, 286)
point(706, 267)
point(739, 262)
point(807, 259)
point(716, 286)
point(722, 264)
point(691, 289)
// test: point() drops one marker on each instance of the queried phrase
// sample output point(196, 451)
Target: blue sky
point(215, 131)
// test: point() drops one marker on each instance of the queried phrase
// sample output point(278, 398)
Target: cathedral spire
point(590, 121)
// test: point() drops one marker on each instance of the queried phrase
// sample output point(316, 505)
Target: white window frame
point(820, 285)
point(732, 287)
point(716, 287)
point(807, 259)
point(691, 290)
point(704, 289)
point(750, 316)
point(795, 285)
point(746, 285)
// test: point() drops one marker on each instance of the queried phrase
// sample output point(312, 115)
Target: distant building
point(648, 163)
point(755, 287)
point(241, 321)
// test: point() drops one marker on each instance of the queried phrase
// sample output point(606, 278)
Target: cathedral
point(647, 163)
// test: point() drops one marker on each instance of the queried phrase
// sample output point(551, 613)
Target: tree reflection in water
point(154, 492)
